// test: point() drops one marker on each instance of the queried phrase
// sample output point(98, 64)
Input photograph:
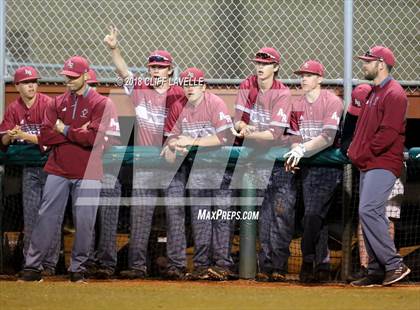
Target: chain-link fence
point(218, 36)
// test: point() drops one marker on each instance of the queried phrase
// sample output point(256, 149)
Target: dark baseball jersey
point(310, 120)
point(151, 109)
point(378, 142)
point(269, 110)
point(210, 117)
point(77, 147)
point(29, 119)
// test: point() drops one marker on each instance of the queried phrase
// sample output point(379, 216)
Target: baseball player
point(103, 255)
point(152, 97)
point(377, 151)
point(359, 96)
point(262, 114)
point(21, 124)
point(74, 128)
point(315, 118)
point(204, 121)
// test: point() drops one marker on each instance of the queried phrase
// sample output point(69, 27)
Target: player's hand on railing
point(168, 154)
point(247, 130)
point(184, 141)
point(234, 132)
point(293, 157)
point(111, 39)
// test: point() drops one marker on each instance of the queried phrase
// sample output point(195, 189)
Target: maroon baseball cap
point(75, 66)
point(25, 73)
point(192, 76)
point(311, 67)
point(379, 53)
point(160, 58)
point(267, 55)
point(92, 77)
point(359, 96)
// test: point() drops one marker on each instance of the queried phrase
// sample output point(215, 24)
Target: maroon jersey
point(269, 110)
point(210, 117)
point(29, 119)
point(310, 120)
point(76, 154)
point(112, 134)
point(151, 111)
point(378, 141)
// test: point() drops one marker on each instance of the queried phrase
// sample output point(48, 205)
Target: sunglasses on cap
point(265, 56)
point(369, 54)
point(158, 58)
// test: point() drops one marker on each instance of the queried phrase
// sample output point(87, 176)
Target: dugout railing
point(246, 160)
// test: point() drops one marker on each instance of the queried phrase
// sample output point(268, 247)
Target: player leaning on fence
point(262, 114)
point(377, 150)
point(152, 97)
point(204, 121)
point(21, 125)
point(74, 128)
point(315, 118)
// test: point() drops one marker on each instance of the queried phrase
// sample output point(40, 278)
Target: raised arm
point(111, 40)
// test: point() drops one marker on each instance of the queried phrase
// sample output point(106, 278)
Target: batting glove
point(295, 154)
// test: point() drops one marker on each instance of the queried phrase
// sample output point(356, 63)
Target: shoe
point(77, 277)
point(103, 273)
point(201, 273)
point(306, 274)
point(262, 277)
point(222, 274)
point(396, 275)
point(91, 271)
point(278, 276)
point(368, 281)
point(31, 275)
point(174, 273)
point(361, 273)
point(48, 272)
point(133, 274)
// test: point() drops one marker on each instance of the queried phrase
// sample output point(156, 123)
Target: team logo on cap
point(357, 103)
point(190, 74)
point(28, 72)
point(70, 64)
point(306, 65)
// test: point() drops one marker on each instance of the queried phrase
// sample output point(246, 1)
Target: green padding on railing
point(150, 156)
point(28, 154)
point(414, 153)
point(326, 157)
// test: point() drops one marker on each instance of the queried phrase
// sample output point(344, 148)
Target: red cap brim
point(159, 63)
point(29, 78)
point(267, 61)
point(367, 58)
point(92, 82)
point(300, 72)
point(70, 73)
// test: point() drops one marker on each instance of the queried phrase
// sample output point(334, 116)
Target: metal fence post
point(248, 231)
point(1, 219)
point(2, 56)
point(2, 107)
point(347, 179)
